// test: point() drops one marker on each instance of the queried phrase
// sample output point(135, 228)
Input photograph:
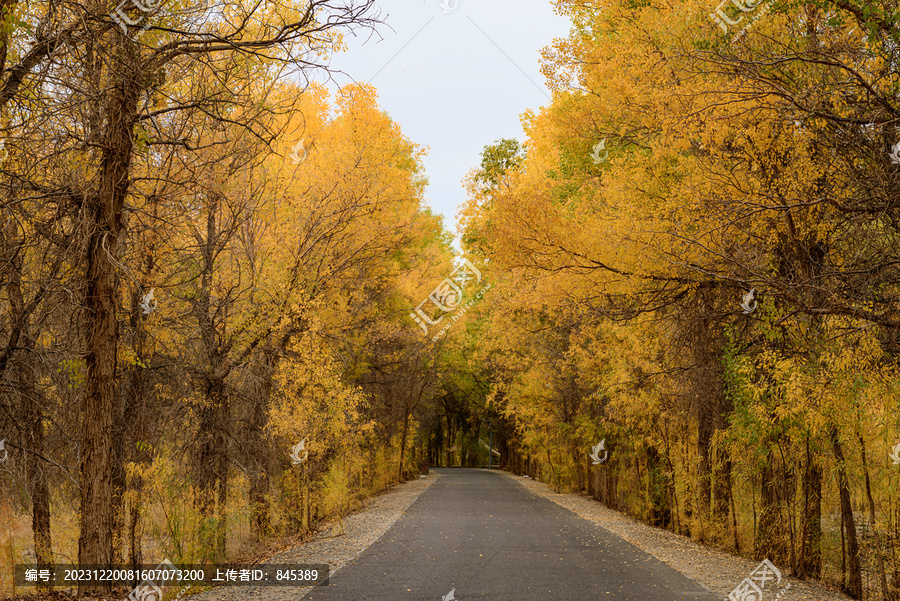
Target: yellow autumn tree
point(690, 204)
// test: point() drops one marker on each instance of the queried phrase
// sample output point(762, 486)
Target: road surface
point(483, 536)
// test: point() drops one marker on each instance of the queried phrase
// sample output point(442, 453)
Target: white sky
point(455, 81)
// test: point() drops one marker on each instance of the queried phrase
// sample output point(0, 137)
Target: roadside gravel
point(716, 570)
point(361, 529)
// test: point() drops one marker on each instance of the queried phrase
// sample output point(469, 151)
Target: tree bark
point(810, 561)
point(211, 470)
point(658, 485)
point(879, 552)
point(95, 543)
point(704, 479)
point(35, 470)
point(259, 479)
point(770, 540)
point(403, 444)
point(29, 404)
point(210, 453)
point(136, 417)
point(854, 588)
point(118, 481)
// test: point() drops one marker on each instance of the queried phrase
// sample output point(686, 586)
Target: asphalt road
point(485, 536)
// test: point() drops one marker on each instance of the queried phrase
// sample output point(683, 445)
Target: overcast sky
point(457, 80)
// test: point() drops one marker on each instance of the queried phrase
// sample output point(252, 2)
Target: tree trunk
point(35, 470)
point(449, 442)
point(210, 453)
point(810, 561)
point(40, 494)
point(137, 417)
point(879, 552)
point(854, 588)
point(403, 444)
point(29, 405)
point(660, 509)
point(704, 482)
point(95, 543)
point(222, 513)
point(118, 481)
point(770, 541)
point(259, 480)
point(722, 489)
point(210, 469)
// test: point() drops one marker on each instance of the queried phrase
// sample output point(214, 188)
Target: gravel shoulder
point(716, 570)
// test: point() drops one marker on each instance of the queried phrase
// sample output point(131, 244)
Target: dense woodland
point(206, 260)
